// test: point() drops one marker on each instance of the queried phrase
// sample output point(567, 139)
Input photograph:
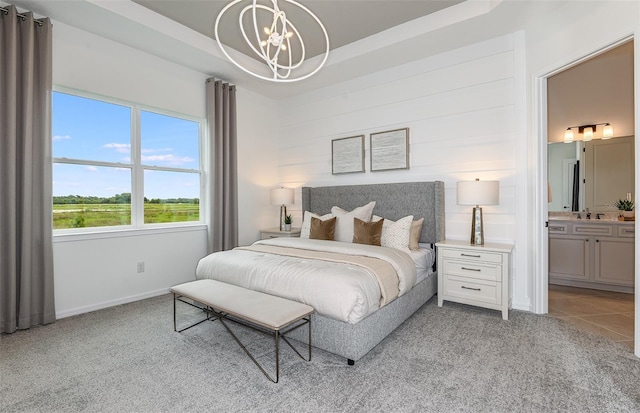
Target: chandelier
point(278, 43)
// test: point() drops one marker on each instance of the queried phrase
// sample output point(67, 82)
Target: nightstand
point(276, 233)
point(475, 274)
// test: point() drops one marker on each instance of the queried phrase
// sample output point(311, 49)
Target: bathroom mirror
point(605, 170)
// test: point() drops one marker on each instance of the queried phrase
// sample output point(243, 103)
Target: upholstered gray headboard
point(393, 201)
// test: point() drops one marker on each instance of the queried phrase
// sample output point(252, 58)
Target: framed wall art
point(390, 150)
point(347, 155)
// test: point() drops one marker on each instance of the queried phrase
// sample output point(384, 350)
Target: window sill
point(128, 232)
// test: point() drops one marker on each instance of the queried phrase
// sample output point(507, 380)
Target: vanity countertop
point(607, 219)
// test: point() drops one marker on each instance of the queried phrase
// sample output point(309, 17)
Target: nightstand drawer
point(486, 292)
point(471, 269)
point(470, 256)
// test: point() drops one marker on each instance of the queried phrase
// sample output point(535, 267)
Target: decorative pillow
point(344, 226)
point(396, 234)
point(322, 229)
point(367, 232)
point(416, 230)
point(305, 229)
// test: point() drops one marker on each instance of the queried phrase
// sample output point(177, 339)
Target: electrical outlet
point(141, 266)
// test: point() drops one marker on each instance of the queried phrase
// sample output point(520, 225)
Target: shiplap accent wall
point(461, 108)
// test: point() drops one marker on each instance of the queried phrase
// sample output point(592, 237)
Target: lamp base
point(477, 230)
point(283, 214)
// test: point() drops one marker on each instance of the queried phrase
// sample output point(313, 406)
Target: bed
point(354, 333)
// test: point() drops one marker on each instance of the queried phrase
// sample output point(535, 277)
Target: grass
point(102, 215)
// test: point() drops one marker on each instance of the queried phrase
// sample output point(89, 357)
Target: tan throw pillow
point(305, 231)
point(416, 230)
point(367, 232)
point(322, 229)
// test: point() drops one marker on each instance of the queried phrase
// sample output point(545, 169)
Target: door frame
point(541, 243)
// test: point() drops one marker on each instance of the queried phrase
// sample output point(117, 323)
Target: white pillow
point(305, 229)
point(396, 234)
point(344, 222)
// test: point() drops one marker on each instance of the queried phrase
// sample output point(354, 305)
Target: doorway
point(573, 301)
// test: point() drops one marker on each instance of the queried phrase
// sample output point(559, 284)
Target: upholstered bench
point(260, 311)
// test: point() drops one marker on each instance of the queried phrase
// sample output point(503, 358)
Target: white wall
point(462, 108)
point(257, 164)
point(96, 272)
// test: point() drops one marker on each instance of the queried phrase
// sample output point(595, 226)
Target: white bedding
point(342, 292)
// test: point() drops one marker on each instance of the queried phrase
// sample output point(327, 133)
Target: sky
point(88, 129)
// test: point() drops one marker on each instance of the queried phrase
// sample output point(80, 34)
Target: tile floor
point(606, 313)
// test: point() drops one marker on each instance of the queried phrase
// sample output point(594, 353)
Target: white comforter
point(336, 290)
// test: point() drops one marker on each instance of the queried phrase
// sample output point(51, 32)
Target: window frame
point(137, 171)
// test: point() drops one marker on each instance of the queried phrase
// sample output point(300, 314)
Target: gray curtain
point(26, 251)
point(222, 217)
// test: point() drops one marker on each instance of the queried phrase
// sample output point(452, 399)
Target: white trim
point(111, 303)
point(117, 232)
point(636, 71)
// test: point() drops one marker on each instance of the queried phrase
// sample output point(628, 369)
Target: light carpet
point(451, 359)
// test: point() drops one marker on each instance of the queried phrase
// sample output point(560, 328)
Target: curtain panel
point(222, 217)
point(26, 250)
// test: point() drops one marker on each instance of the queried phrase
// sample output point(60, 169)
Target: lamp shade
point(587, 135)
point(568, 136)
point(478, 192)
point(281, 196)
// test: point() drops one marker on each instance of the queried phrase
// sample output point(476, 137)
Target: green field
point(102, 215)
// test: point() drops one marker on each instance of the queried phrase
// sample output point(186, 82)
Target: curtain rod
point(21, 15)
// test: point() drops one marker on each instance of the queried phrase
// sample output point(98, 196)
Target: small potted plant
point(287, 222)
point(625, 206)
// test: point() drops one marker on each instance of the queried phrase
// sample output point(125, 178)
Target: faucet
point(588, 215)
point(598, 215)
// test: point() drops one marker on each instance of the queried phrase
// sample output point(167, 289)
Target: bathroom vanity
point(592, 253)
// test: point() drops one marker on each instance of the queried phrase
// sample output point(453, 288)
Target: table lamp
point(478, 193)
point(282, 197)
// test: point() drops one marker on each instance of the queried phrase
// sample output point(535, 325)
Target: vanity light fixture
point(587, 132)
point(272, 43)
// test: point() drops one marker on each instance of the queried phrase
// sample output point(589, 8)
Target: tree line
point(124, 198)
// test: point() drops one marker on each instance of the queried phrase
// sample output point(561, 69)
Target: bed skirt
point(353, 341)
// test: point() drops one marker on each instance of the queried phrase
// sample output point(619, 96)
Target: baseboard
point(112, 303)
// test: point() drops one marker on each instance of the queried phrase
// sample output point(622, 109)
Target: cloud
point(169, 159)
point(157, 150)
point(61, 138)
point(91, 168)
point(119, 147)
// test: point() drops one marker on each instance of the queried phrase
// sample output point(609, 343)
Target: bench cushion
point(259, 308)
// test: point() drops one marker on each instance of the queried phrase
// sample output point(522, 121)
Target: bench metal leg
point(175, 325)
point(216, 315)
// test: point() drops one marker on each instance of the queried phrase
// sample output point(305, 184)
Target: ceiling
point(346, 21)
point(366, 36)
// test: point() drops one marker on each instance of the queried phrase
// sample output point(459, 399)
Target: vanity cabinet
point(592, 255)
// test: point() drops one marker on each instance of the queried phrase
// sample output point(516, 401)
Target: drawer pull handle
point(469, 288)
point(470, 255)
point(556, 228)
point(471, 269)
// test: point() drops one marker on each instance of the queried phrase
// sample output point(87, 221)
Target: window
point(116, 164)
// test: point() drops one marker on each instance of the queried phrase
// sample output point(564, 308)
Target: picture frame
point(347, 155)
point(389, 150)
